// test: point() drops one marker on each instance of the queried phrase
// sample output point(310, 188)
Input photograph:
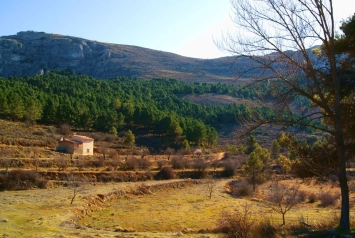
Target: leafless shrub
point(131, 177)
point(144, 163)
point(169, 151)
point(98, 162)
point(312, 198)
point(180, 162)
point(104, 149)
point(110, 138)
point(177, 162)
point(22, 179)
point(229, 167)
point(215, 164)
point(80, 164)
point(328, 199)
point(6, 163)
point(64, 129)
point(97, 137)
point(302, 195)
point(265, 229)
point(39, 133)
point(115, 162)
point(106, 178)
point(161, 163)
point(200, 166)
point(61, 163)
point(131, 164)
point(148, 175)
point(240, 188)
point(238, 224)
point(165, 173)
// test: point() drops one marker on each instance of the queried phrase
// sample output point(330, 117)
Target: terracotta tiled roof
point(83, 137)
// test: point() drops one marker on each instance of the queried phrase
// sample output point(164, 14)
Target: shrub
point(64, 129)
point(39, 133)
point(165, 173)
point(177, 163)
point(240, 188)
point(238, 224)
point(110, 138)
point(148, 175)
point(200, 166)
point(144, 163)
point(327, 199)
point(229, 167)
point(132, 164)
point(161, 163)
point(105, 178)
point(215, 164)
point(312, 198)
point(22, 179)
point(80, 164)
point(265, 229)
point(302, 195)
point(98, 162)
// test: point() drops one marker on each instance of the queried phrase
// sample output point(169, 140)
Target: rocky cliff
point(30, 53)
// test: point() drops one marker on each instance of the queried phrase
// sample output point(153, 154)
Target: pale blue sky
point(185, 27)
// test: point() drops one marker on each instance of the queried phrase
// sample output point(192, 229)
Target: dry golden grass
point(183, 211)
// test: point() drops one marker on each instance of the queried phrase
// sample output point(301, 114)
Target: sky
point(184, 27)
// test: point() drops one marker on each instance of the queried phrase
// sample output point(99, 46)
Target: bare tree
point(211, 185)
point(77, 184)
point(283, 199)
point(80, 164)
point(104, 149)
point(275, 38)
point(61, 163)
point(169, 151)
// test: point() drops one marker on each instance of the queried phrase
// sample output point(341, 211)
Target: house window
point(87, 150)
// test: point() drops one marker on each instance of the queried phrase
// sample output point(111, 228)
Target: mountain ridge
point(30, 53)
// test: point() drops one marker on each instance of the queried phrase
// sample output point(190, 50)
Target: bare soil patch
point(217, 99)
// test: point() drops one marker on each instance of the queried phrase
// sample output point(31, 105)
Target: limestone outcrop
point(30, 53)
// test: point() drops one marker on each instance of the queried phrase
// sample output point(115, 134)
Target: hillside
point(30, 53)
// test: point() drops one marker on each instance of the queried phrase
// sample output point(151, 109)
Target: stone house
point(79, 145)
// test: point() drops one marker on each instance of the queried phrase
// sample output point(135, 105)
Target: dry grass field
point(166, 208)
point(185, 211)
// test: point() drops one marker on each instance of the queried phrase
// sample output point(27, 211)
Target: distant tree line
point(84, 102)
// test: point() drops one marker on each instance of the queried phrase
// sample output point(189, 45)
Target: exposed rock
point(31, 53)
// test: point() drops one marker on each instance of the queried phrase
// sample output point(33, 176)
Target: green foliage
point(263, 154)
point(253, 168)
point(251, 144)
point(84, 102)
point(285, 163)
point(113, 131)
point(129, 139)
point(236, 150)
point(275, 149)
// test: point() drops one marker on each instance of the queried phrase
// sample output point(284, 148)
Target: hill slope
point(30, 53)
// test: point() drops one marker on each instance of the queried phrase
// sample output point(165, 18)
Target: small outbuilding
point(80, 145)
